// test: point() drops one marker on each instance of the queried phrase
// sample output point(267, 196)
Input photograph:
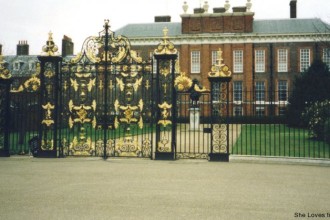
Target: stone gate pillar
point(219, 78)
point(5, 81)
point(165, 96)
point(49, 105)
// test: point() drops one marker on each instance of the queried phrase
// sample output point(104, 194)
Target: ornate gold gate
point(106, 100)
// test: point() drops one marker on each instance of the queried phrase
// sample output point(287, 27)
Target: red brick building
point(264, 55)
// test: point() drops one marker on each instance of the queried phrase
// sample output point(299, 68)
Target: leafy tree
point(318, 118)
point(311, 86)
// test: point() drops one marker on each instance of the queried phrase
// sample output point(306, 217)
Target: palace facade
point(264, 55)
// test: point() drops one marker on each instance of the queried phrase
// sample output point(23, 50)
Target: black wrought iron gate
point(103, 106)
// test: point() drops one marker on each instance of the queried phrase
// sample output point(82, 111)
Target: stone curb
point(280, 160)
point(232, 159)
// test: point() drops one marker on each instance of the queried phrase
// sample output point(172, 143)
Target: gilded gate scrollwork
point(48, 121)
point(166, 54)
point(80, 106)
point(165, 108)
point(49, 72)
point(219, 77)
point(105, 107)
point(129, 108)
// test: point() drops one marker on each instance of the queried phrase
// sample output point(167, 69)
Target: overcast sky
point(31, 20)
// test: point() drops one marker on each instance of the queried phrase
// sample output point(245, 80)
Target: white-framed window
point(16, 65)
point(282, 60)
point(282, 88)
point(238, 111)
point(32, 66)
point(195, 61)
point(260, 61)
point(238, 91)
point(260, 111)
point(304, 59)
point(260, 91)
point(238, 61)
point(214, 57)
point(326, 56)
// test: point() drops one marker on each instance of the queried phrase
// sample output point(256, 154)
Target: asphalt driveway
point(90, 188)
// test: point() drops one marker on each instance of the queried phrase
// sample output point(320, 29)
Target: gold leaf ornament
point(182, 82)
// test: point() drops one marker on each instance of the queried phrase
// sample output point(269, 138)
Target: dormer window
point(17, 65)
point(32, 66)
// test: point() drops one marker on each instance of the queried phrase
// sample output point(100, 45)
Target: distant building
point(22, 65)
point(264, 55)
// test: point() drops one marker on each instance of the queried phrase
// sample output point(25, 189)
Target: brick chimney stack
point(67, 46)
point(293, 9)
point(164, 18)
point(22, 48)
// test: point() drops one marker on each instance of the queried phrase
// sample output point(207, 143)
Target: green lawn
point(253, 139)
point(278, 140)
point(19, 141)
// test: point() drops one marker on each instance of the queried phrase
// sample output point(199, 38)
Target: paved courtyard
point(90, 188)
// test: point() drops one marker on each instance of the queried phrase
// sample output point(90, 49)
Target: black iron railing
point(252, 129)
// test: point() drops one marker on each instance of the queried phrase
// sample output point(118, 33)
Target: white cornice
point(233, 39)
point(217, 14)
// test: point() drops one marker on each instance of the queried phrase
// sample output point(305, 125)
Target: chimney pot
point(22, 48)
point(165, 18)
point(239, 9)
point(293, 9)
point(219, 10)
point(199, 10)
point(67, 46)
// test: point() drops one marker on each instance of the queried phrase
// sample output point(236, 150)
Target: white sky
point(31, 20)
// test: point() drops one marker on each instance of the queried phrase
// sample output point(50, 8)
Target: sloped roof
point(290, 26)
point(273, 26)
point(23, 60)
point(150, 29)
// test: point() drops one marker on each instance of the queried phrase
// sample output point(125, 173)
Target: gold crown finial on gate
point(50, 49)
point(219, 69)
point(106, 23)
point(166, 47)
point(50, 36)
